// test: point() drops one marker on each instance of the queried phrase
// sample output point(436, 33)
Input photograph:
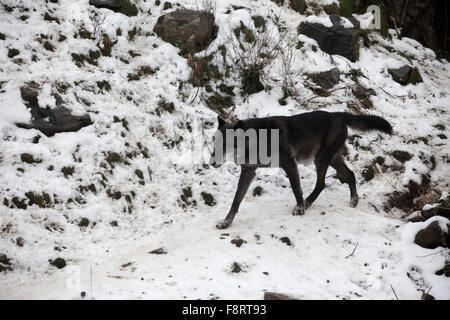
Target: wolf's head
point(223, 147)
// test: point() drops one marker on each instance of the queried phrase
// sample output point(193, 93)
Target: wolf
point(319, 136)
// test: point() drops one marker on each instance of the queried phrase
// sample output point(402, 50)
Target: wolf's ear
point(221, 121)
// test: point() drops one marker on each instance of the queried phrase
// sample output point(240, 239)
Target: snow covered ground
point(110, 258)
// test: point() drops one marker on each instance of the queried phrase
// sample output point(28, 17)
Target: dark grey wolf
point(318, 136)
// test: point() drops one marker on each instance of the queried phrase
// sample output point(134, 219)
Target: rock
point(108, 4)
point(159, 251)
point(401, 75)
point(431, 237)
point(5, 263)
point(125, 7)
point(236, 267)
point(186, 29)
point(416, 217)
point(238, 242)
point(442, 209)
point(27, 158)
point(276, 296)
point(286, 240)
point(361, 92)
point(326, 79)
point(444, 271)
point(50, 121)
point(336, 39)
point(406, 75)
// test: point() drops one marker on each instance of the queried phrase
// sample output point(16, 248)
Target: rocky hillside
point(103, 191)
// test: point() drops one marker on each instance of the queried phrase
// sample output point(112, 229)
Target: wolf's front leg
point(290, 167)
point(247, 175)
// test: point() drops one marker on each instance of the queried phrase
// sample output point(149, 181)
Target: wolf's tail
point(365, 123)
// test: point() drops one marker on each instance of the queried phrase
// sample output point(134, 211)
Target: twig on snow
point(352, 251)
point(432, 254)
point(393, 291)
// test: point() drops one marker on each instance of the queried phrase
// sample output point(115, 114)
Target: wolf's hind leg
point(247, 176)
point(347, 176)
point(292, 172)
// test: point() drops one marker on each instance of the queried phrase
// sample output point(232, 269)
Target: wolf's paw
point(354, 202)
point(223, 225)
point(299, 210)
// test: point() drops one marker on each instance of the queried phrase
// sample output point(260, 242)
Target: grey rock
point(186, 29)
point(401, 75)
point(326, 79)
point(109, 4)
point(361, 92)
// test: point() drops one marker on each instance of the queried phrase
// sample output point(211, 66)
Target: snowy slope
point(114, 261)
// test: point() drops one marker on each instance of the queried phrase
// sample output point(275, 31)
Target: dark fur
point(319, 136)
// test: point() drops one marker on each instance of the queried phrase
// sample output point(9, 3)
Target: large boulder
point(47, 120)
point(432, 236)
point(188, 30)
point(337, 39)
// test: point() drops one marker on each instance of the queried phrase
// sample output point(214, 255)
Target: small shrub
point(48, 17)
point(167, 5)
point(84, 222)
point(380, 160)
point(84, 34)
point(132, 33)
point(68, 171)
point(128, 8)
point(250, 80)
point(236, 267)
point(103, 85)
point(13, 52)
point(58, 262)
point(368, 173)
point(298, 5)
point(208, 199)
point(113, 157)
point(286, 240)
point(257, 191)
point(415, 76)
point(402, 156)
point(259, 22)
point(226, 89)
point(439, 127)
